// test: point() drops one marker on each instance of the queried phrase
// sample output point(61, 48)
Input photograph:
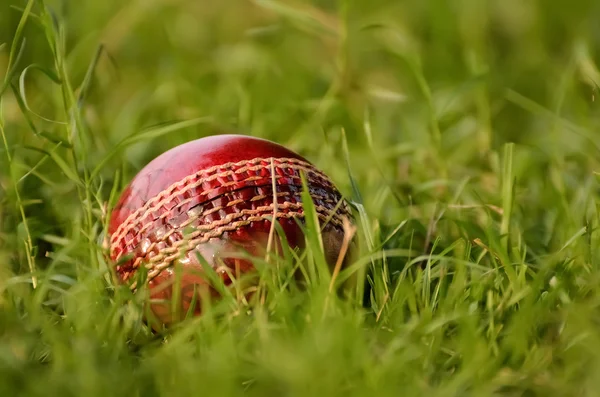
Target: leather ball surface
point(209, 198)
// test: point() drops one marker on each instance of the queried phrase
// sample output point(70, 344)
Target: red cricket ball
point(211, 197)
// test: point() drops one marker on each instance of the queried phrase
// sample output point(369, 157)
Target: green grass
point(465, 133)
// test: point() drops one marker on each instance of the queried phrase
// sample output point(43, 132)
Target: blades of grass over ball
point(213, 279)
point(317, 266)
point(286, 264)
point(194, 304)
point(138, 292)
point(274, 216)
point(287, 253)
point(327, 221)
point(175, 287)
point(236, 280)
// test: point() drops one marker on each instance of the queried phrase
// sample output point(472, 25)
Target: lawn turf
point(464, 132)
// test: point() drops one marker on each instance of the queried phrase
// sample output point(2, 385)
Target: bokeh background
point(424, 94)
point(407, 105)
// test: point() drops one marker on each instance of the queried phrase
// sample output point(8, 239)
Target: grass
point(464, 132)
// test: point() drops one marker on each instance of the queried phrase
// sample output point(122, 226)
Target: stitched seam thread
point(162, 260)
point(167, 195)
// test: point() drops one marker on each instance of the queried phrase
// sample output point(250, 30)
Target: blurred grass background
point(469, 127)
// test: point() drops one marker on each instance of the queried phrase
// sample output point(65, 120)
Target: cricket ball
point(211, 198)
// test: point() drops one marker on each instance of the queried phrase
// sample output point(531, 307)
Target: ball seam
point(162, 260)
point(168, 194)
